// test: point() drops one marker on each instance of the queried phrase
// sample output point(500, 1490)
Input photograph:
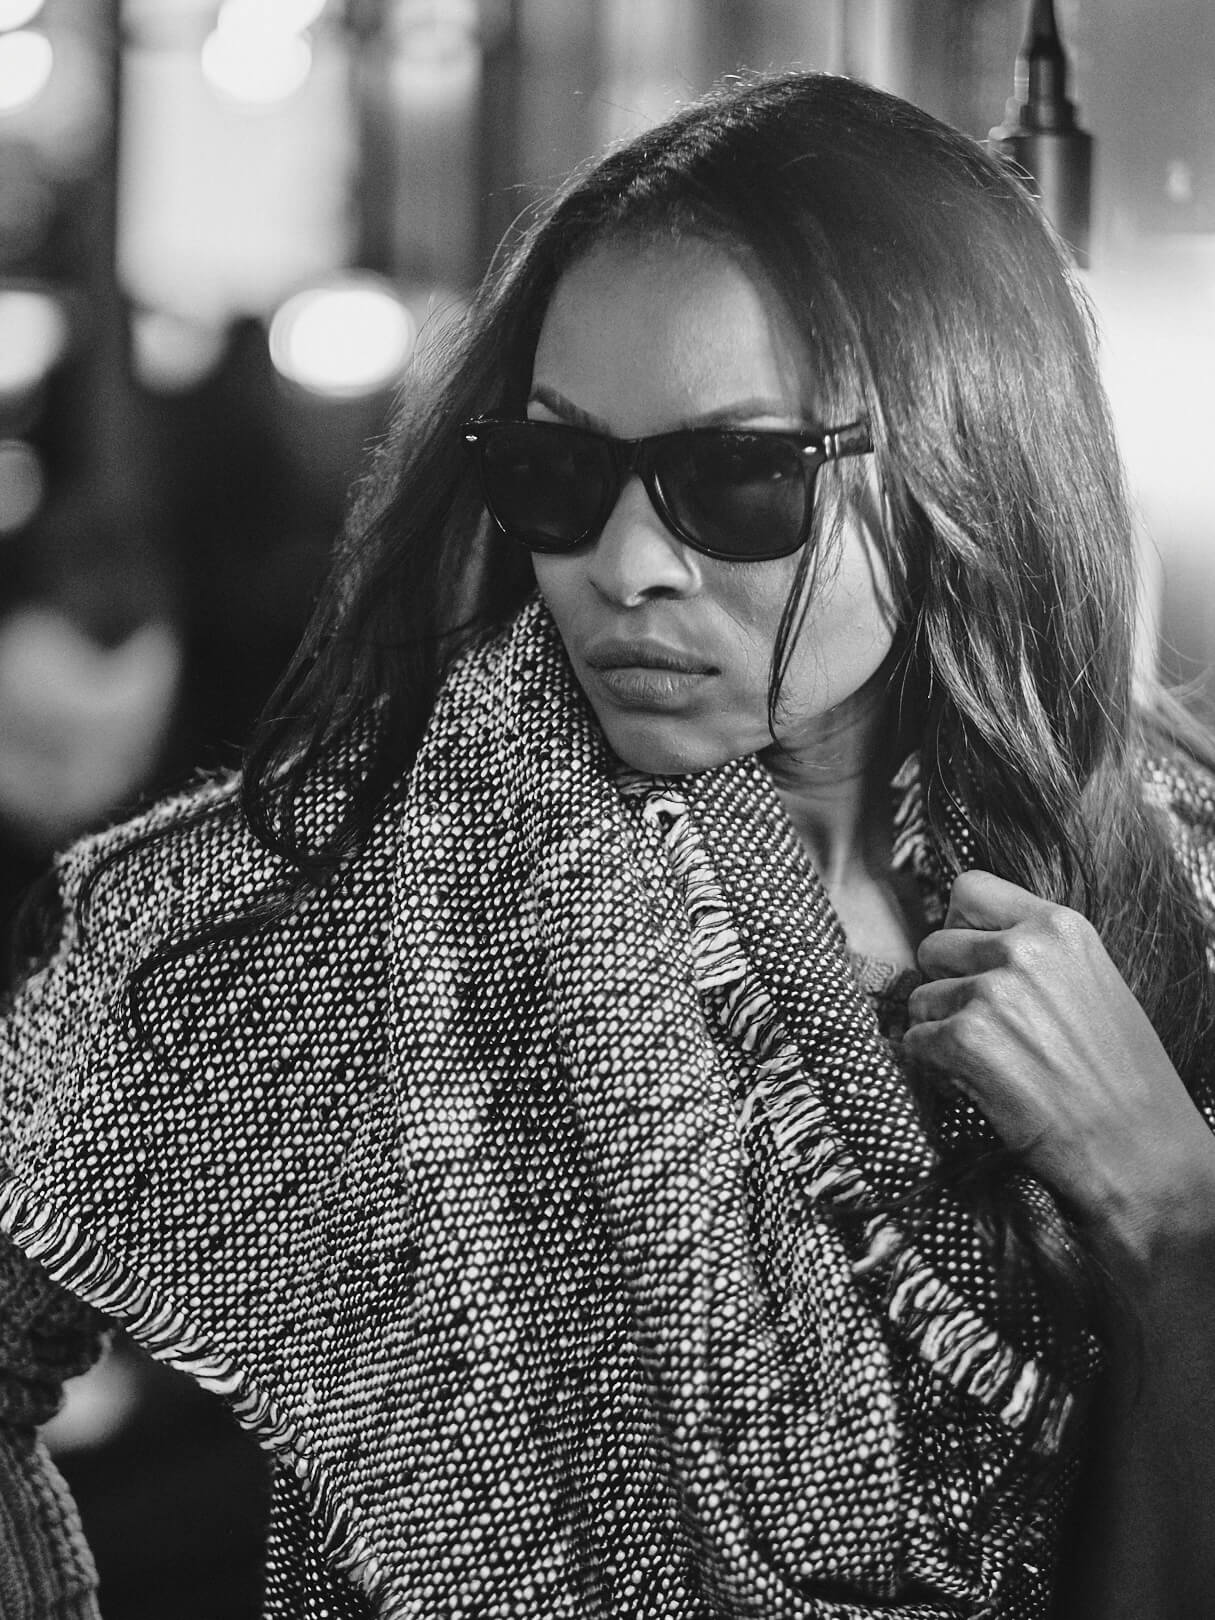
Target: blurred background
point(224, 230)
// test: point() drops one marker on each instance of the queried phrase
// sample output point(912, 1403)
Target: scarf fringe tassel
point(164, 1331)
point(953, 1339)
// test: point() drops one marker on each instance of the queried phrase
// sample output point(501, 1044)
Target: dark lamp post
point(1041, 136)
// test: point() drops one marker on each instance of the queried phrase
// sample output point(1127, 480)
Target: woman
point(515, 1097)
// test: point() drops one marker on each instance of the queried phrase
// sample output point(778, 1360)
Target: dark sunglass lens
point(544, 485)
point(739, 494)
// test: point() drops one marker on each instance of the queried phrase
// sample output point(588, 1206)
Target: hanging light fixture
point(1041, 136)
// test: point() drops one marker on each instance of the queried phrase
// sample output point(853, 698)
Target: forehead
point(644, 337)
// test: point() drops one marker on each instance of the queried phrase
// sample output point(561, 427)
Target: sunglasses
point(743, 495)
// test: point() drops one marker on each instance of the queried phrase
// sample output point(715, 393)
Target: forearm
point(1143, 1545)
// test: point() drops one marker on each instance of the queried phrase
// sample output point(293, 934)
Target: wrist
point(1157, 1240)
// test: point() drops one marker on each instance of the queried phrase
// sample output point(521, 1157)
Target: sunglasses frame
point(815, 447)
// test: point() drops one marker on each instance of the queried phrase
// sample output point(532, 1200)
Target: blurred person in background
point(95, 695)
point(676, 1082)
point(90, 670)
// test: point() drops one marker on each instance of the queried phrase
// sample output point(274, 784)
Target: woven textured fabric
point(528, 1193)
point(46, 1569)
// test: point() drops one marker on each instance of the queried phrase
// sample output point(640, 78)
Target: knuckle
point(967, 1029)
point(1031, 946)
point(919, 1003)
point(1074, 931)
point(1023, 946)
point(1061, 932)
point(992, 992)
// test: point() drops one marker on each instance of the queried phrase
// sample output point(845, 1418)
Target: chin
point(668, 748)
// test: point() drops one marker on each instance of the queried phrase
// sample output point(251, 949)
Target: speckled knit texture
point(528, 1194)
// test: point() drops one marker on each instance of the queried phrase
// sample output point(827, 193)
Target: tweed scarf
point(536, 1194)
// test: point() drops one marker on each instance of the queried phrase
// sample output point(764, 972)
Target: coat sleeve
point(46, 1570)
point(46, 1336)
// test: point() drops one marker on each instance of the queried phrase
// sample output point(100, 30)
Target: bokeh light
point(347, 337)
point(286, 16)
point(436, 60)
point(55, 101)
point(433, 32)
point(171, 354)
point(33, 336)
point(16, 13)
point(27, 60)
point(255, 63)
point(434, 40)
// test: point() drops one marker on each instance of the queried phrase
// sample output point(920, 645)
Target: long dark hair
point(931, 297)
point(928, 293)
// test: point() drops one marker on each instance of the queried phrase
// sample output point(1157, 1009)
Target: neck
point(834, 787)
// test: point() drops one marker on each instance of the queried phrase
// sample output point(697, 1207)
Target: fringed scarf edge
point(950, 1337)
point(87, 1269)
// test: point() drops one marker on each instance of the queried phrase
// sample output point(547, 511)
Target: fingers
point(992, 923)
point(939, 999)
point(948, 1029)
point(930, 1042)
point(958, 952)
point(948, 1038)
point(940, 1016)
point(984, 901)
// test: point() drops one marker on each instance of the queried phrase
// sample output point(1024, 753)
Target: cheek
point(557, 583)
point(844, 640)
point(844, 635)
point(751, 599)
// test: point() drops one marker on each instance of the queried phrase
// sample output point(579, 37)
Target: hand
point(1024, 1012)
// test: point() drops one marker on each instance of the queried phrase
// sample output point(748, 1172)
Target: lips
point(646, 674)
point(652, 655)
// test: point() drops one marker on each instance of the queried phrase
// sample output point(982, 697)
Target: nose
point(636, 557)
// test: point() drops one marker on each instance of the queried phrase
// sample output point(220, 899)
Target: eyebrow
point(732, 415)
point(566, 409)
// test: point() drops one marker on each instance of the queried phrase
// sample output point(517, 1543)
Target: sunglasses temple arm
point(853, 440)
